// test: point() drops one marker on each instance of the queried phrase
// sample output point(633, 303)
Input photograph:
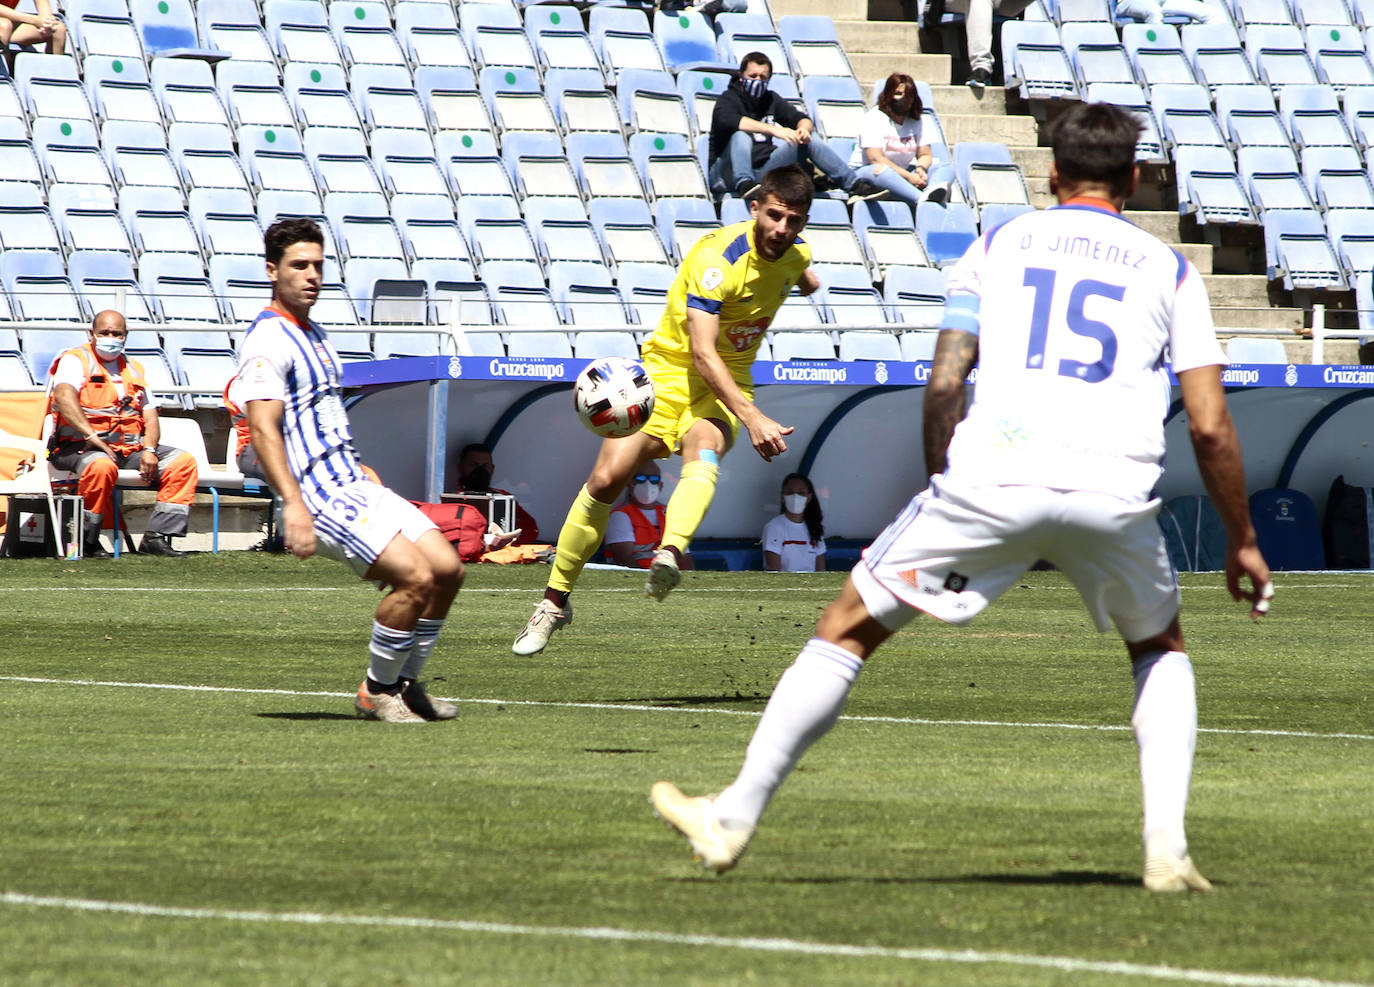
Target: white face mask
point(109, 347)
point(795, 503)
point(644, 493)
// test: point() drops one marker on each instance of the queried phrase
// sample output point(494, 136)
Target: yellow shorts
point(681, 399)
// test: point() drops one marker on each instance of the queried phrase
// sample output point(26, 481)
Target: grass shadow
point(308, 716)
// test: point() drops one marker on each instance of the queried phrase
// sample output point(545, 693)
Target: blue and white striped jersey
point(1077, 312)
point(281, 360)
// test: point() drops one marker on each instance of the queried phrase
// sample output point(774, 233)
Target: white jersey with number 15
point(1077, 311)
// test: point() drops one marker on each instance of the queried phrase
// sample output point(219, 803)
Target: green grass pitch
point(187, 797)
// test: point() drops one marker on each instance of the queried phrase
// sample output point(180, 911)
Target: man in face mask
point(106, 423)
point(635, 528)
point(754, 130)
point(475, 468)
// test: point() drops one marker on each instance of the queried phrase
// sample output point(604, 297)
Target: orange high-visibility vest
point(117, 420)
point(238, 420)
point(647, 534)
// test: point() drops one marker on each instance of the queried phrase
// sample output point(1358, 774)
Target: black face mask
point(478, 478)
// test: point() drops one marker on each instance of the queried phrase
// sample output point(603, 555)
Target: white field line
point(585, 591)
point(802, 947)
point(694, 710)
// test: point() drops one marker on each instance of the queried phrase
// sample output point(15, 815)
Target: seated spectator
point(794, 541)
point(754, 130)
point(475, 468)
point(707, 8)
point(635, 528)
point(42, 28)
point(890, 152)
point(105, 423)
point(1153, 11)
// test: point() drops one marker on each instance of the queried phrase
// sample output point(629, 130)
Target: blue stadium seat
point(1298, 252)
point(1035, 61)
point(1157, 53)
point(1313, 116)
point(700, 90)
point(916, 295)
point(1271, 179)
point(645, 289)
point(739, 34)
point(1217, 55)
point(1209, 187)
point(1322, 12)
point(1279, 55)
point(686, 39)
point(564, 49)
point(1255, 13)
point(1185, 115)
point(814, 47)
point(623, 39)
point(946, 230)
point(581, 102)
point(1249, 118)
point(1096, 53)
point(1315, 160)
point(515, 99)
point(361, 275)
point(1352, 237)
point(649, 102)
point(168, 28)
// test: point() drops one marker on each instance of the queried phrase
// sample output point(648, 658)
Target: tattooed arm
point(956, 353)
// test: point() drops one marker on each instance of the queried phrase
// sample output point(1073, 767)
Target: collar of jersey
point(287, 316)
point(1090, 202)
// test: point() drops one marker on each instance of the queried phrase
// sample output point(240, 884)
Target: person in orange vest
point(635, 528)
point(105, 423)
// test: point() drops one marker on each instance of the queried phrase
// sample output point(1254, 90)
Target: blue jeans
point(736, 165)
point(895, 184)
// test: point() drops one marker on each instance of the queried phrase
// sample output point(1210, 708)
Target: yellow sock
point(689, 504)
point(582, 532)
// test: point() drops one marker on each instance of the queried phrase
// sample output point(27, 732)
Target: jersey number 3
point(1042, 280)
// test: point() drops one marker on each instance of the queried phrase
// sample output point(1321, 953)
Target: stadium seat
point(946, 230)
point(1096, 53)
point(1313, 117)
point(814, 47)
point(1217, 55)
point(681, 222)
point(1036, 63)
point(168, 28)
point(627, 232)
point(1246, 349)
point(581, 103)
point(739, 34)
point(685, 38)
point(623, 40)
point(1209, 187)
point(1299, 253)
point(649, 102)
point(987, 173)
point(1150, 146)
point(561, 47)
point(29, 228)
point(539, 167)
point(1157, 54)
point(799, 343)
point(110, 33)
point(916, 296)
point(1261, 12)
point(1279, 55)
point(1249, 118)
point(668, 168)
point(1316, 160)
point(700, 90)
point(516, 100)
point(1287, 529)
point(887, 233)
point(835, 104)
point(1353, 239)
point(853, 306)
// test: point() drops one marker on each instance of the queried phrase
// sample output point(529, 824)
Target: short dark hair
point(886, 97)
point(790, 185)
point(1095, 143)
point(756, 58)
point(285, 232)
point(473, 447)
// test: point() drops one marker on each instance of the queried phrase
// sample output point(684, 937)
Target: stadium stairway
point(879, 40)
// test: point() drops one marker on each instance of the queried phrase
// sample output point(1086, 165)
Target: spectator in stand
point(1154, 12)
point(754, 130)
point(707, 8)
point(794, 541)
point(978, 16)
point(889, 152)
point(635, 528)
point(475, 468)
point(43, 28)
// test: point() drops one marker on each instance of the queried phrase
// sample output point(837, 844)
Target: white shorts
point(361, 519)
point(955, 548)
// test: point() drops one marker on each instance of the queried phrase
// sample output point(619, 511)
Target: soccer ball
point(614, 396)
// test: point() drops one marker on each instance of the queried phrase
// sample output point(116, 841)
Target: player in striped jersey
point(289, 384)
point(1070, 315)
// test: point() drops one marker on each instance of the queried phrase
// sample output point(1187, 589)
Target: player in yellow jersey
point(732, 283)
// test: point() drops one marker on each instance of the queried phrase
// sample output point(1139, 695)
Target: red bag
point(461, 524)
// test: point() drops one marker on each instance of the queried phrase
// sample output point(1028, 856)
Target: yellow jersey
point(724, 275)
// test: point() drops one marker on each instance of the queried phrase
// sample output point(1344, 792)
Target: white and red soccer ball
point(614, 396)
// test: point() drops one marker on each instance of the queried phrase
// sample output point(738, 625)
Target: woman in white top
point(794, 541)
point(889, 152)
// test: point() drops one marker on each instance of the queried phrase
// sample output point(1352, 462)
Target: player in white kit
point(288, 381)
point(1070, 315)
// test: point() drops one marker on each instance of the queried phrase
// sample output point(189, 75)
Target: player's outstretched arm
point(1222, 466)
point(768, 437)
point(945, 401)
point(264, 419)
point(809, 283)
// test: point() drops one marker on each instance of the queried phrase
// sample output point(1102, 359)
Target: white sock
point(804, 706)
point(1165, 723)
point(389, 649)
point(426, 635)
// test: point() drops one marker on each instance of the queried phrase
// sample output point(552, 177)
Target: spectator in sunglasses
point(635, 528)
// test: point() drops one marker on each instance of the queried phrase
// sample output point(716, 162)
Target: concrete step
point(847, 10)
point(961, 99)
point(1237, 290)
point(1035, 164)
point(1012, 131)
point(899, 39)
point(1241, 317)
point(1161, 224)
point(870, 66)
